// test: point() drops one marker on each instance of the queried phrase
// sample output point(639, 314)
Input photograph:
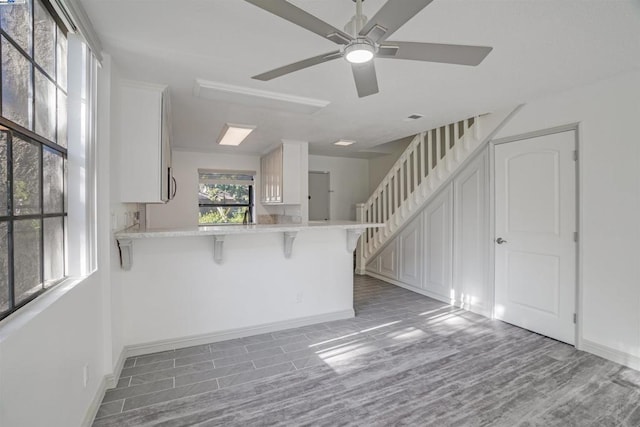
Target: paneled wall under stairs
point(442, 252)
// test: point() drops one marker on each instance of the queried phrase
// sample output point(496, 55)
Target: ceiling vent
point(413, 117)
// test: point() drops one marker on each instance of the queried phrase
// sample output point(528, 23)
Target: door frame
point(575, 127)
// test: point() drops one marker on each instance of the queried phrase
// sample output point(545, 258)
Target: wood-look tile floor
point(403, 360)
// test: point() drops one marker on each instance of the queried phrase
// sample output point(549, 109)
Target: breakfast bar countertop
point(136, 232)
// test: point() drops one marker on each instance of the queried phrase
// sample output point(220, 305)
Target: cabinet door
point(277, 175)
point(410, 259)
point(471, 233)
point(142, 176)
point(438, 244)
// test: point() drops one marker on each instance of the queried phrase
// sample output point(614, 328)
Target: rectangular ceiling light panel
point(234, 134)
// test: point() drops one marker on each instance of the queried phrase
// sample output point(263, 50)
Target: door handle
point(500, 240)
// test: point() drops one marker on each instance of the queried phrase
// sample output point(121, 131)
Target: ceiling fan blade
point(305, 63)
point(365, 77)
point(294, 14)
point(434, 52)
point(391, 16)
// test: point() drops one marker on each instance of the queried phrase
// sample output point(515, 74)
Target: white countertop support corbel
point(125, 246)
point(218, 248)
point(352, 238)
point(289, 237)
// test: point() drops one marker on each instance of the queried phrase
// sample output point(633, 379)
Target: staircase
point(428, 163)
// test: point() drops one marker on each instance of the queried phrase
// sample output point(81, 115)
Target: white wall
point(609, 206)
point(183, 210)
point(349, 183)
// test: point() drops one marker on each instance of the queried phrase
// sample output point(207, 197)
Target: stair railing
point(429, 158)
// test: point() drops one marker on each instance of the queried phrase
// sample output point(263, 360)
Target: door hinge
point(575, 236)
point(575, 318)
point(575, 155)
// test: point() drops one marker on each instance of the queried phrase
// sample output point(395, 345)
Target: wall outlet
point(299, 297)
point(85, 375)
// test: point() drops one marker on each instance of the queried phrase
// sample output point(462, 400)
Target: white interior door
point(319, 196)
point(535, 249)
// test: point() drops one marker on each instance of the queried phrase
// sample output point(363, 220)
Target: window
point(33, 152)
point(225, 197)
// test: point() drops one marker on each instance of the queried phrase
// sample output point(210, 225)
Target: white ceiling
point(540, 47)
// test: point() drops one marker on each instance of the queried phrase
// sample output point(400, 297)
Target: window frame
point(250, 205)
point(14, 129)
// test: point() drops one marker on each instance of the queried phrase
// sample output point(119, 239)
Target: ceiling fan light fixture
point(359, 52)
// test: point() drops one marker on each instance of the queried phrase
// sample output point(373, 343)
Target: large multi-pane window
point(33, 151)
point(225, 197)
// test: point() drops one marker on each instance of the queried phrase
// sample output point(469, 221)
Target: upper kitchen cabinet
point(280, 175)
point(145, 136)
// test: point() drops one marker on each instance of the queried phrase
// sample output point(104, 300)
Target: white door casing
point(535, 216)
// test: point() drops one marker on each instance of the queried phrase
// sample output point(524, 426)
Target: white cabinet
point(280, 171)
point(145, 137)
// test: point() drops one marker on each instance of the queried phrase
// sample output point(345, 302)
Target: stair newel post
point(360, 247)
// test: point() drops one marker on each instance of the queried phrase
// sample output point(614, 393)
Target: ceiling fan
point(363, 40)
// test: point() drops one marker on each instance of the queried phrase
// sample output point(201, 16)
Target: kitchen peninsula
point(190, 286)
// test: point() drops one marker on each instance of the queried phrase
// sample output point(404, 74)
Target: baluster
point(476, 128)
point(396, 190)
point(456, 140)
point(447, 147)
point(385, 212)
point(415, 165)
point(438, 143)
point(467, 134)
point(422, 160)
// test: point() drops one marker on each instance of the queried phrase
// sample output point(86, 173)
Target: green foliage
point(222, 215)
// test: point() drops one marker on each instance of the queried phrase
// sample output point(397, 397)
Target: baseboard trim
point(108, 381)
point(172, 344)
point(92, 411)
point(609, 353)
point(476, 310)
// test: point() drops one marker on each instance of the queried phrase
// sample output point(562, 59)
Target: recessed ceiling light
point(344, 142)
point(234, 134)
